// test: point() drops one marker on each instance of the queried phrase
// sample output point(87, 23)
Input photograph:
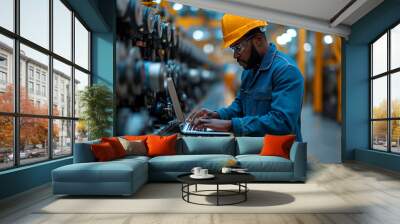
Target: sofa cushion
point(207, 145)
point(103, 152)
point(277, 145)
point(257, 163)
point(185, 163)
point(135, 147)
point(249, 145)
point(161, 145)
point(116, 145)
point(111, 171)
point(132, 158)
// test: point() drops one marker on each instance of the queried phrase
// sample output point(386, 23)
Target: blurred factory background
point(160, 39)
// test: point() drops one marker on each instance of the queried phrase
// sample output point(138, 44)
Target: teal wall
point(99, 16)
point(355, 133)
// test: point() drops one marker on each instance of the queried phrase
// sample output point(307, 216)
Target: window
point(6, 72)
point(385, 94)
point(54, 126)
point(3, 61)
point(62, 75)
point(37, 74)
point(30, 87)
point(43, 77)
point(3, 78)
point(62, 29)
point(7, 14)
point(44, 91)
point(30, 72)
point(37, 89)
point(34, 21)
point(81, 45)
point(6, 142)
point(62, 137)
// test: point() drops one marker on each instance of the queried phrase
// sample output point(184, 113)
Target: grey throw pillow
point(137, 147)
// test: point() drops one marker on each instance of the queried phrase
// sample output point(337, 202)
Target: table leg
point(188, 189)
point(196, 188)
point(217, 194)
point(245, 193)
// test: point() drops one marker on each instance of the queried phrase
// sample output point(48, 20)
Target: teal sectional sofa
point(125, 176)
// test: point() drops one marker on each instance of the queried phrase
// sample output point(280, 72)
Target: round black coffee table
point(238, 179)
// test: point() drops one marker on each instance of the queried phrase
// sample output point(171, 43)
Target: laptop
point(184, 126)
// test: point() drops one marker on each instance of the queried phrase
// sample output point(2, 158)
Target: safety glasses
point(237, 48)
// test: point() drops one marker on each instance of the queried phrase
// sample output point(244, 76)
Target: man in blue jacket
point(271, 91)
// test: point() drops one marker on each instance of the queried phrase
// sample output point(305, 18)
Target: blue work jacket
point(270, 100)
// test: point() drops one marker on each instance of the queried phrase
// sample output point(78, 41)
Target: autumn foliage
point(33, 131)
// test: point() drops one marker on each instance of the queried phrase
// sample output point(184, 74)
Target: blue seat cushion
point(206, 145)
point(111, 171)
point(185, 163)
point(249, 145)
point(257, 163)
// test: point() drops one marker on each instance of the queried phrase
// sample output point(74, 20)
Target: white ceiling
point(316, 15)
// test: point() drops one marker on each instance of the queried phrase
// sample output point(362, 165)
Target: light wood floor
point(378, 188)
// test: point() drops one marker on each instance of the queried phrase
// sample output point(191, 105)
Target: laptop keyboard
point(188, 128)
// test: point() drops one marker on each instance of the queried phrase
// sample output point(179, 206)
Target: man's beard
point(254, 60)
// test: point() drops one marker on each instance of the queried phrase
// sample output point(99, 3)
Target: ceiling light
point(177, 6)
point(328, 39)
point(208, 48)
point(198, 35)
point(291, 32)
point(307, 47)
point(286, 37)
point(280, 40)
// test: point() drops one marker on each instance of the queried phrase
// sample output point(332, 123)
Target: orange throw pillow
point(277, 145)
point(161, 145)
point(103, 151)
point(116, 145)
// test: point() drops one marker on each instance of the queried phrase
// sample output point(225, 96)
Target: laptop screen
point(175, 101)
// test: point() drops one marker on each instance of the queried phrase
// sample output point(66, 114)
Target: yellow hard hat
point(235, 27)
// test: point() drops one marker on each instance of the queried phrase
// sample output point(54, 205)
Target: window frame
point(388, 74)
point(16, 114)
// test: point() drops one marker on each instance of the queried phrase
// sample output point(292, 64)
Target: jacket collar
point(265, 63)
point(268, 57)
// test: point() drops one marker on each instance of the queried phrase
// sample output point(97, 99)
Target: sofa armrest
point(83, 152)
point(298, 155)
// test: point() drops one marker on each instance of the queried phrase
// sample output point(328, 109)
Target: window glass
point(81, 131)
point(379, 135)
point(33, 139)
point(395, 136)
point(81, 81)
point(395, 47)
point(34, 19)
point(6, 142)
point(395, 95)
point(81, 45)
point(6, 74)
point(379, 98)
point(7, 14)
point(62, 29)
point(39, 61)
point(62, 91)
point(62, 137)
point(379, 56)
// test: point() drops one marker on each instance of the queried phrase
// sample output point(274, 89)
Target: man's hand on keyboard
point(215, 124)
point(203, 113)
